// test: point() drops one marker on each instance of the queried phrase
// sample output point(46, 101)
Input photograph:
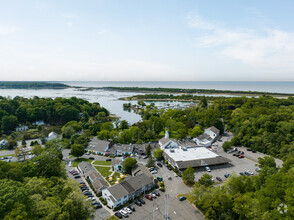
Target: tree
point(77, 150)
point(194, 132)
point(206, 180)
point(11, 142)
point(21, 153)
point(188, 176)
point(68, 113)
point(150, 162)
point(148, 150)
point(67, 131)
point(123, 125)
point(129, 164)
point(37, 150)
point(108, 126)
point(23, 142)
point(227, 146)
point(158, 154)
point(9, 123)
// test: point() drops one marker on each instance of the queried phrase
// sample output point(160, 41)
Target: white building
point(208, 137)
point(166, 142)
point(41, 122)
point(52, 136)
point(132, 187)
point(3, 143)
point(22, 128)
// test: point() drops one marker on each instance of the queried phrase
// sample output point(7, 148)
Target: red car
point(148, 197)
point(241, 156)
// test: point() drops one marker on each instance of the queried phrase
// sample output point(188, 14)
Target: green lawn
point(77, 161)
point(8, 155)
point(105, 163)
point(105, 171)
point(112, 218)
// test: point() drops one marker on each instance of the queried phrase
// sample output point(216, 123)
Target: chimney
point(166, 134)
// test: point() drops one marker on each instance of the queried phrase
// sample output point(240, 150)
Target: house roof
point(164, 140)
point(141, 169)
point(123, 148)
point(98, 145)
point(213, 129)
point(128, 186)
point(52, 133)
point(202, 162)
point(187, 144)
point(203, 137)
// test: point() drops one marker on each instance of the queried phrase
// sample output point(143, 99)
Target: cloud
point(266, 47)
point(102, 32)
point(69, 24)
point(7, 30)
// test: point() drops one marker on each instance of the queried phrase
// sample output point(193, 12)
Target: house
point(117, 166)
point(99, 146)
point(41, 122)
point(22, 128)
point(129, 189)
point(166, 142)
point(121, 149)
point(139, 169)
point(52, 135)
point(3, 143)
point(208, 137)
point(93, 176)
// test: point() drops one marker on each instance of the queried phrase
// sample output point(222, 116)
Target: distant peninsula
point(31, 85)
point(196, 91)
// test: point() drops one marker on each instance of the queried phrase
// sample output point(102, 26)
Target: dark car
point(137, 202)
point(242, 152)
point(182, 198)
point(82, 183)
point(97, 206)
point(76, 177)
point(117, 214)
point(246, 173)
point(169, 168)
point(91, 158)
point(248, 149)
point(148, 197)
point(227, 175)
point(108, 159)
point(159, 164)
point(132, 208)
point(142, 201)
point(75, 174)
point(157, 193)
point(241, 173)
point(253, 151)
point(219, 179)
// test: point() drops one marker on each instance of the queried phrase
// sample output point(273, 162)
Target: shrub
point(162, 189)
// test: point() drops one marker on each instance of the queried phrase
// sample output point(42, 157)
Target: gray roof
point(214, 129)
point(130, 185)
point(187, 144)
point(122, 147)
point(202, 162)
point(140, 169)
point(164, 140)
point(99, 145)
point(203, 136)
point(117, 191)
point(85, 167)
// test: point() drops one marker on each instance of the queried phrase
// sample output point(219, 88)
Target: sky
point(146, 40)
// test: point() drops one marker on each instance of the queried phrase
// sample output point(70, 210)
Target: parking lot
point(176, 209)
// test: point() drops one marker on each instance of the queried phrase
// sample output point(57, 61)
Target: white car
point(250, 172)
point(128, 210)
point(208, 169)
point(154, 172)
point(124, 213)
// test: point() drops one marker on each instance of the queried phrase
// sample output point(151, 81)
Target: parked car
point(154, 172)
point(253, 151)
point(257, 169)
point(246, 173)
point(169, 168)
point(131, 208)
point(137, 202)
point(82, 182)
point(153, 195)
point(207, 169)
point(159, 178)
point(159, 164)
point(76, 177)
point(170, 178)
point(241, 173)
point(91, 158)
point(118, 214)
point(157, 193)
point(242, 152)
point(182, 198)
point(227, 175)
point(145, 157)
point(248, 149)
point(148, 197)
point(124, 213)
point(219, 179)
point(142, 201)
point(241, 156)
point(250, 172)
point(129, 211)
point(108, 159)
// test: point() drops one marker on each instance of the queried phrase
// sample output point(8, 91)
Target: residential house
point(166, 142)
point(22, 128)
point(129, 189)
point(3, 143)
point(117, 166)
point(208, 137)
point(93, 176)
point(99, 146)
point(52, 135)
point(121, 149)
point(40, 122)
